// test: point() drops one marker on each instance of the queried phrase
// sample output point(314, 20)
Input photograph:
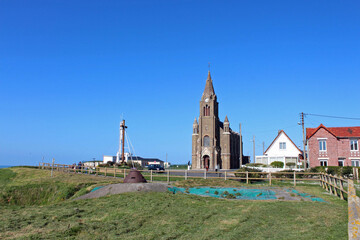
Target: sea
point(5, 166)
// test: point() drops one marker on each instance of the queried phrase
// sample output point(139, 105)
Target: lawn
point(163, 215)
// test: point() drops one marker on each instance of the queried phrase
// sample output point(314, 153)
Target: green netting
point(230, 193)
point(305, 195)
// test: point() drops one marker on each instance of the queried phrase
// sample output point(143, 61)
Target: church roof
point(226, 119)
point(195, 121)
point(209, 88)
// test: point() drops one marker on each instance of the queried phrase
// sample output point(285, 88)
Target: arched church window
point(207, 110)
point(206, 141)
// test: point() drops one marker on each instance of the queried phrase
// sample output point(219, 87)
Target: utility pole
point(304, 141)
point(254, 147)
point(122, 128)
point(263, 148)
point(241, 152)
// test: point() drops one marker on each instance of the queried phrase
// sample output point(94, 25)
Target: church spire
point(209, 88)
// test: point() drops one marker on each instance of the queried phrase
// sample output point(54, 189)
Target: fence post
point(186, 173)
point(168, 176)
point(204, 174)
point(124, 173)
point(294, 179)
point(105, 171)
point(270, 178)
point(114, 171)
point(325, 182)
point(96, 171)
point(329, 182)
point(247, 177)
point(225, 175)
point(151, 176)
point(341, 188)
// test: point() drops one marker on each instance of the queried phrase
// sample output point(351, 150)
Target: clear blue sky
point(70, 69)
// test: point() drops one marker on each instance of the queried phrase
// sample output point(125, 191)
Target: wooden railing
point(334, 185)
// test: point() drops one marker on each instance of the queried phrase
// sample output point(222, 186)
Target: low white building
point(282, 149)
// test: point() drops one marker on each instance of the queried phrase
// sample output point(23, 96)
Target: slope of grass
point(27, 186)
point(171, 216)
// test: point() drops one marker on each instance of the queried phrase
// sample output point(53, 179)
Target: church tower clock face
point(206, 99)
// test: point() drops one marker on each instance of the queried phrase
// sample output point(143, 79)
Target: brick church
point(213, 142)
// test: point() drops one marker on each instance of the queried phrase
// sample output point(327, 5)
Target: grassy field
point(55, 215)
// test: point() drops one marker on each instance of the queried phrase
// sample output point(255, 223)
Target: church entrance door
point(206, 162)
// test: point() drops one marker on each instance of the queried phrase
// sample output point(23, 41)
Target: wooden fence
point(174, 175)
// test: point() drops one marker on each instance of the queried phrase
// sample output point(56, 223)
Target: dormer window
point(354, 145)
point(207, 110)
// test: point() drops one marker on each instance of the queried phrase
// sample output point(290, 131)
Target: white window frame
point(356, 145)
point(341, 160)
point(282, 145)
point(356, 161)
point(323, 141)
point(322, 161)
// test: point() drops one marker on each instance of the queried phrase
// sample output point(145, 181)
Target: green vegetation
point(334, 170)
point(277, 164)
point(179, 166)
point(160, 215)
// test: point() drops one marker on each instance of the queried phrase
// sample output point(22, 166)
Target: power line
point(318, 115)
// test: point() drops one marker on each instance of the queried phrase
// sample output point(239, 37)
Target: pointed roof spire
point(195, 122)
point(209, 88)
point(226, 119)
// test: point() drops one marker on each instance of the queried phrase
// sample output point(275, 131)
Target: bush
point(277, 164)
point(255, 173)
point(347, 171)
point(290, 164)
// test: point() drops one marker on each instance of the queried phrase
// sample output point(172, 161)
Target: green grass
point(166, 215)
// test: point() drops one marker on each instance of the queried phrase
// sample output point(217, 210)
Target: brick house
point(333, 146)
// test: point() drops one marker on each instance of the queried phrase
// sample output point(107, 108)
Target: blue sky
point(70, 69)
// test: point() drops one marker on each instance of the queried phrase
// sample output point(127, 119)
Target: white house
point(282, 149)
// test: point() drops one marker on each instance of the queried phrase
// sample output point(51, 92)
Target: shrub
point(254, 164)
point(333, 170)
point(277, 164)
point(346, 171)
point(290, 164)
point(216, 192)
point(256, 173)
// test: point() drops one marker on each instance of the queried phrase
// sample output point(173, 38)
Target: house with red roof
point(282, 149)
point(333, 146)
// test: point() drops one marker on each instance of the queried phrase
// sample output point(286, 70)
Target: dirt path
point(125, 187)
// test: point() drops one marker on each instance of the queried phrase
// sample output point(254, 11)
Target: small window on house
point(322, 145)
point(341, 162)
point(355, 163)
point(354, 145)
point(283, 145)
point(323, 163)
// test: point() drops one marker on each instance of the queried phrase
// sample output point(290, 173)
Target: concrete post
point(354, 213)
point(247, 177)
point(294, 179)
point(168, 176)
point(151, 175)
point(186, 173)
point(225, 175)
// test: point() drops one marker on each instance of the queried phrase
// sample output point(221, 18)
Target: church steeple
point(209, 88)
